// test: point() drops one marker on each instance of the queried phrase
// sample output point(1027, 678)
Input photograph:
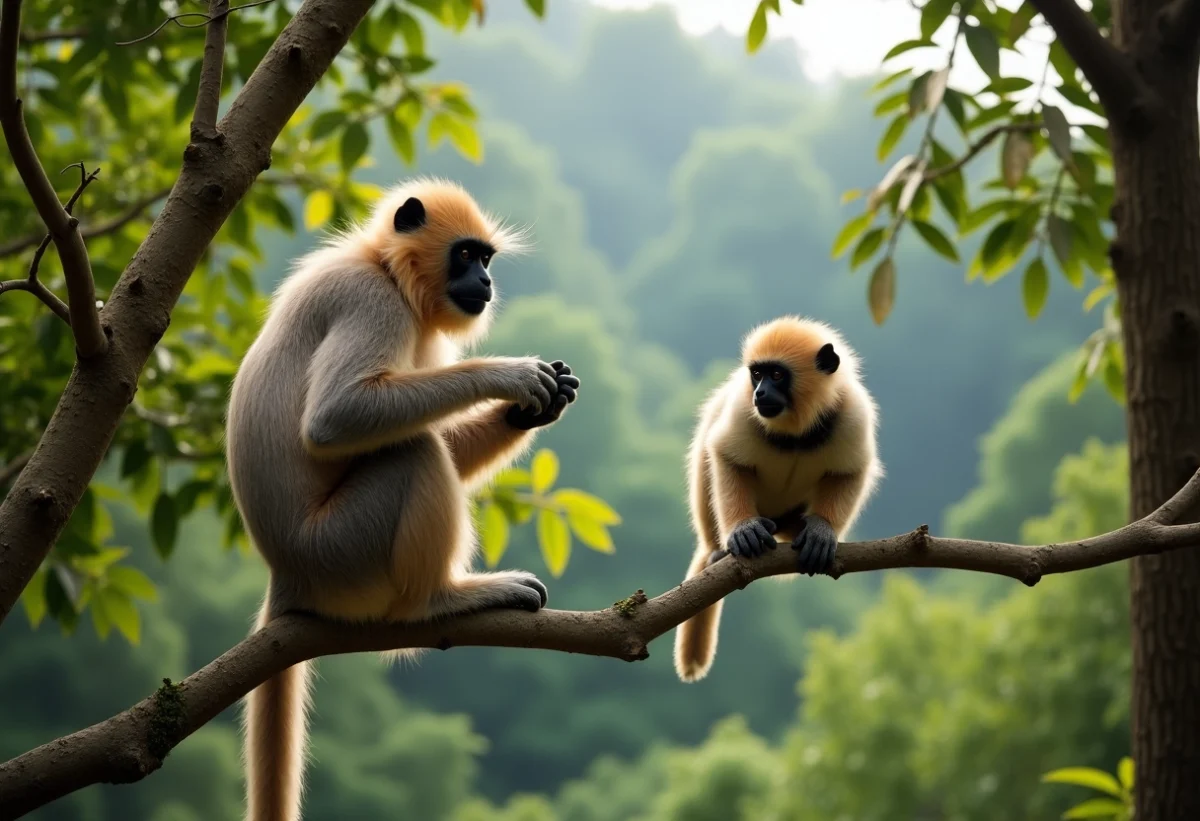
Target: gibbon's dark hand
point(566, 392)
point(752, 537)
point(815, 545)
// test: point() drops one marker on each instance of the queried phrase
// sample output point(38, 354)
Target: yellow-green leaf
point(578, 503)
point(555, 541)
point(1085, 777)
point(866, 247)
point(892, 136)
point(758, 28)
point(132, 582)
point(493, 534)
point(881, 293)
point(543, 470)
point(1098, 293)
point(1125, 772)
point(1096, 808)
point(513, 477)
point(851, 195)
point(33, 598)
point(936, 240)
point(1035, 286)
point(121, 611)
point(318, 208)
point(850, 232)
point(592, 533)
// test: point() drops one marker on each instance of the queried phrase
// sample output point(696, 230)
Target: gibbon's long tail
point(696, 638)
point(276, 735)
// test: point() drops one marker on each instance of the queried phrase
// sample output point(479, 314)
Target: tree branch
point(131, 745)
point(53, 36)
point(208, 97)
point(1179, 26)
point(215, 177)
point(978, 146)
point(100, 229)
point(1128, 101)
point(90, 340)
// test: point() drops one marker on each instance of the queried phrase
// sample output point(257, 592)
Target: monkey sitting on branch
point(784, 449)
point(355, 433)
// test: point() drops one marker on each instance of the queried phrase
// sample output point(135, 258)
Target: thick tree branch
point(1128, 101)
point(90, 340)
point(131, 745)
point(1179, 26)
point(216, 175)
point(208, 97)
point(978, 146)
point(100, 229)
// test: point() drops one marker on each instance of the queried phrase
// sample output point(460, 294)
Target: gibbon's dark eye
point(776, 375)
point(465, 254)
point(485, 259)
point(755, 374)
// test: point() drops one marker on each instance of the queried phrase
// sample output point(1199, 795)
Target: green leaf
point(402, 139)
point(410, 30)
point(758, 28)
point(1063, 244)
point(953, 101)
point(543, 470)
point(1007, 85)
point(513, 477)
point(892, 103)
point(895, 131)
point(164, 525)
point(1098, 135)
point(1125, 772)
point(936, 240)
point(354, 145)
point(867, 247)
point(891, 78)
point(1079, 383)
point(850, 232)
point(907, 45)
point(1015, 157)
point(933, 15)
point(33, 598)
point(996, 239)
point(851, 195)
point(979, 217)
point(326, 123)
point(1084, 777)
point(112, 90)
point(1059, 131)
point(592, 533)
point(985, 49)
point(1096, 808)
point(132, 582)
point(555, 541)
point(881, 292)
point(1019, 24)
point(121, 612)
point(1098, 293)
point(577, 503)
point(917, 95)
point(318, 208)
point(464, 137)
point(1114, 372)
point(538, 7)
point(1035, 286)
point(493, 534)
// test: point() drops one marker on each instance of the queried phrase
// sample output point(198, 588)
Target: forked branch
point(131, 745)
point(77, 268)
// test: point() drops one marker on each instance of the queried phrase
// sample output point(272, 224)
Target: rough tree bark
point(1156, 257)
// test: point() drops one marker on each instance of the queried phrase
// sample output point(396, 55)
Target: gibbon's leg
point(696, 638)
point(839, 497)
point(275, 726)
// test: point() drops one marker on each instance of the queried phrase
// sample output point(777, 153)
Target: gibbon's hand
point(527, 381)
point(566, 390)
point(815, 545)
point(752, 538)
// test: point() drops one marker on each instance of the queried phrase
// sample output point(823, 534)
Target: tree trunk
point(1156, 258)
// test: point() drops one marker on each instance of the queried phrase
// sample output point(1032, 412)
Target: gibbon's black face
point(468, 284)
point(772, 383)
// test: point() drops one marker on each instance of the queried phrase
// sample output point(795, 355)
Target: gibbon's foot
point(815, 544)
point(566, 390)
point(752, 538)
point(523, 591)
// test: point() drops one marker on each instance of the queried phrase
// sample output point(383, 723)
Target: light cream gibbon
point(784, 450)
point(355, 432)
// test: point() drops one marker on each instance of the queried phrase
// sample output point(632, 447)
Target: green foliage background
point(669, 216)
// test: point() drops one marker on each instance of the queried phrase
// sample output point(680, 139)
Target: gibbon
point(784, 450)
point(354, 433)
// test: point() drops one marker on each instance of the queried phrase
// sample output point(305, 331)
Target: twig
point(53, 36)
point(978, 146)
point(90, 340)
point(119, 750)
point(208, 96)
point(1128, 101)
point(100, 229)
point(210, 17)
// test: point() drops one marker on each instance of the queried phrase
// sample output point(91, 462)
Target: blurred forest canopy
point(668, 216)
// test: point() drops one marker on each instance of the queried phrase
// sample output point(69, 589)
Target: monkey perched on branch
point(784, 449)
point(355, 433)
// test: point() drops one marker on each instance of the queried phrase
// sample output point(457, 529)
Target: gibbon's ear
point(410, 216)
point(827, 359)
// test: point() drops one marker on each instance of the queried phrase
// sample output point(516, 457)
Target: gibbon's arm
point(481, 442)
point(357, 404)
point(733, 497)
point(839, 497)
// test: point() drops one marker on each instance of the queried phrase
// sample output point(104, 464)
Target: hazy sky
point(848, 37)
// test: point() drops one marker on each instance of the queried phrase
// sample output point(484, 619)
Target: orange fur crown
point(795, 341)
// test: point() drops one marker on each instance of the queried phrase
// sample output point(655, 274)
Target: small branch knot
point(627, 605)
